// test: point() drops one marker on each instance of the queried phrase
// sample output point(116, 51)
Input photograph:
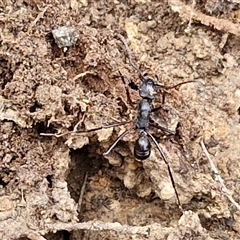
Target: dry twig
point(82, 192)
point(187, 12)
point(80, 75)
point(148, 230)
point(217, 177)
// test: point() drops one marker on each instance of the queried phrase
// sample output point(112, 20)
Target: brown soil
point(55, 182)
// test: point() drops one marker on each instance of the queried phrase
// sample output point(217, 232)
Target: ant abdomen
point(142, 148)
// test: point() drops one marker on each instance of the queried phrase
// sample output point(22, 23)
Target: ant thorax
point(144, 111)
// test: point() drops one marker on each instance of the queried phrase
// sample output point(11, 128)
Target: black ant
point(148, 89)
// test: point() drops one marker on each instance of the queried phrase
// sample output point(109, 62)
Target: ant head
point(148, 87)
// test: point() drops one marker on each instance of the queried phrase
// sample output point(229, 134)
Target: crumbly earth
point(55, 182)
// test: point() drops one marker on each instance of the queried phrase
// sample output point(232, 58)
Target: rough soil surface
point(55, 182)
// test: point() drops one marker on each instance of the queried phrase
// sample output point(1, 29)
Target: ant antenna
point(175, 86)
point(130, 56)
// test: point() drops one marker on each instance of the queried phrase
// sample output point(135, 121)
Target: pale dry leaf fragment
point(77, 142)
point(6, 203)
point(224, 39)
point(189, 225)
point(76, 4)
point(104, 134)
point(9, 112)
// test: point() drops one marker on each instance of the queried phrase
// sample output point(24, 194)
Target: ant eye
point(145, 74)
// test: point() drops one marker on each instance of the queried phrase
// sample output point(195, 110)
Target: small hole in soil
point(49, 179)
point(214, 222)
point(123, 107)
point(64, 235)
point(56, 51)
point(41, 127)
point(238, 111)
point(82, 163)
point(4, 184)
point(86, 162)
point(7, 170)
point(34, 107)
point(67, 108)
point(107, 93)
point(6, 74)
point(212, 142)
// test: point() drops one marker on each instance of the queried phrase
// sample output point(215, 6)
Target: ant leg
point(117, 140)
point(83, 131)
point(168, 166)
point(103, 127)
point(174, 86)
point(163, 129)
